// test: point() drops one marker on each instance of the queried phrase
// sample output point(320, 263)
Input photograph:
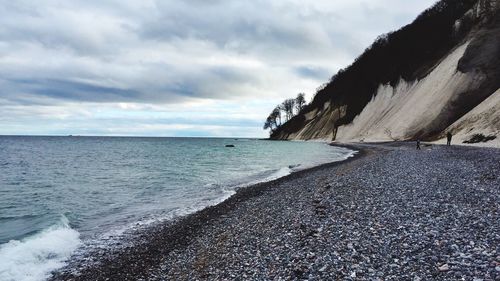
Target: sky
point(175, 68)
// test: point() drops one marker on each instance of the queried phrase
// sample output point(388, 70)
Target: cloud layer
point(174, 67)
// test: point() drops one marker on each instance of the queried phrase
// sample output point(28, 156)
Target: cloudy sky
point(175, 68)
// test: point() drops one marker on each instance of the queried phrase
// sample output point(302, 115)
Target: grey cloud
point(73, 90)
point(163, 86)
point(216, 121)
point(241, 26)
point(166, 51)
point(313, 72)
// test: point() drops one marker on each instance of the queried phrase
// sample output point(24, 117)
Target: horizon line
point(128, 136)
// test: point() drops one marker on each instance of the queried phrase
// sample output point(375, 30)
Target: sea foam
point(34, 257)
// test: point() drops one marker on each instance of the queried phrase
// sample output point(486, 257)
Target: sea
point(60, 193)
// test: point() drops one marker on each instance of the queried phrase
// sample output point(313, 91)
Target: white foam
point(285, 171)
point(33, 258)
point(282, 172)
point(226, 191)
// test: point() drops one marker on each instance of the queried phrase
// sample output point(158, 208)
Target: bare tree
point(277, 115)
point(271, 121)
point(287, 107)
point(300, 101)
point(267, 124)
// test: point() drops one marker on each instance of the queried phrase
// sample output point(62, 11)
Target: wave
point(282, 172)
point(34, 257)
point(115, 237)
point(285, 171)
point(112, 236)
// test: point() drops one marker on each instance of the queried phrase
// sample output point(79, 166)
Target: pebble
point(394, 213)
point(444, 267)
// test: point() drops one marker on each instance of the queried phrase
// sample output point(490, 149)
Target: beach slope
point(391, 213)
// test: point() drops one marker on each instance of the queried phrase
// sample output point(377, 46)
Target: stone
point(444, 267)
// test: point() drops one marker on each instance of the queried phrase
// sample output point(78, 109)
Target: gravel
point(391, 213)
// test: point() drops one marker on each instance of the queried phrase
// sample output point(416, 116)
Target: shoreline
point(178, 231)
point(282, 228)
point(123, 197)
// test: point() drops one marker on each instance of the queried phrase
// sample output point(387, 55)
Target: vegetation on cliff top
point(289, 108)
point(408, 53)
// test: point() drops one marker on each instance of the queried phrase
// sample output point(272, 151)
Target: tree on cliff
point(300, 101)
point(288, 106)
point(277, 115)
point(272, 120)
point(407, 54)
point(269, 124)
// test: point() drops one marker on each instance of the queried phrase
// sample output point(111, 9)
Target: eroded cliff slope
point(402, 88)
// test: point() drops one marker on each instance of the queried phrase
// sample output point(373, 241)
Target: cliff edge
point(440, 73)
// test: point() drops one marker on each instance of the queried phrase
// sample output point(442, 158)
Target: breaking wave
point(34, 257)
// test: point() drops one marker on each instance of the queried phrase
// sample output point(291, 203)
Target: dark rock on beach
point(391, 213)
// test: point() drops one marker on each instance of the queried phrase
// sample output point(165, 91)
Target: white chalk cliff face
point(484, 120)
point(411, 107)
point(460, 94)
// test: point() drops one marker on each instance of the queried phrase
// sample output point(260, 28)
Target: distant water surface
point(58, 192)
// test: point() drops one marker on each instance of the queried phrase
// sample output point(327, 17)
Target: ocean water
point(58, 193)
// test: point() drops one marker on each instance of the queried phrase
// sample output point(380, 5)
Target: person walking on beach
point(418, 144)
point(448, 138)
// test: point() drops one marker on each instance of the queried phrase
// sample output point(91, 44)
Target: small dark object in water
point(229, 145)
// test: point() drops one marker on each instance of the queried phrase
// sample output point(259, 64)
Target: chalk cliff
point(441, 73)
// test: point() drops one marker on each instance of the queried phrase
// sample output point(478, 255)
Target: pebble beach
point(390, 213)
